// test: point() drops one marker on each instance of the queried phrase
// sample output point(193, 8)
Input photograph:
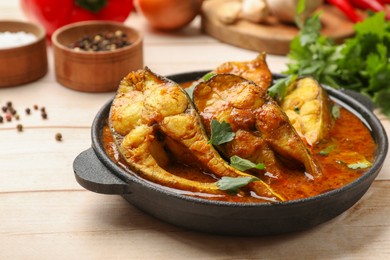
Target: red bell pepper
point(53, 14)
point(347, 9)
point(372, 5)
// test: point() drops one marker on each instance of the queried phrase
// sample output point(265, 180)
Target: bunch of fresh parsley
point(361, 63)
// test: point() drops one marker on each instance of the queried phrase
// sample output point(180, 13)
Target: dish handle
point(91, 174)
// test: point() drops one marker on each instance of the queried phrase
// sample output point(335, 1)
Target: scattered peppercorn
point(19, 127)
point(104, 41)
point(10, 112)
point(58, 137)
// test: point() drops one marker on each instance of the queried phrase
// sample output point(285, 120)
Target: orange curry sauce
point(350, 140)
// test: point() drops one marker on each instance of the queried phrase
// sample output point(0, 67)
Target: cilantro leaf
point(336, 111)
point(327, 150)
point(279, 89)
point(243, 164)
point(221, 132)
point(359, 165)
point(208, 76)
point(299, 11)
point(232, 185)
point(361, 63)
point(300, 7)
point(381, 98)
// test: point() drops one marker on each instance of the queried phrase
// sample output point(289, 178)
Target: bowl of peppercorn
point(23, 56)
point(93, 56)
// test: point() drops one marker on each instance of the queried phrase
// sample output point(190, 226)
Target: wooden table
point(46, 214)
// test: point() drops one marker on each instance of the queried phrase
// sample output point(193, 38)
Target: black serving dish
point(96, 172)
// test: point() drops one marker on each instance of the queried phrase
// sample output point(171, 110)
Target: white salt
point(15, 39)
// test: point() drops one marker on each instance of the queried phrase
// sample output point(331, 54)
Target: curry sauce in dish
point(297, 147)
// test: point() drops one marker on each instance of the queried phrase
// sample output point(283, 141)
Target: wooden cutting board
point(271, 36)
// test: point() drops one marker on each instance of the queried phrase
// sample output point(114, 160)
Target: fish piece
point(167, 125)
point(309, 109)
point(255, 70)
point(263, 132)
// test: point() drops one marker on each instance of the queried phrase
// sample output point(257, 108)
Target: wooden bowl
point(24, 63)
point(94, 71)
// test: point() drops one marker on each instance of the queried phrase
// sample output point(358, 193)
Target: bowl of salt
point(23, 54)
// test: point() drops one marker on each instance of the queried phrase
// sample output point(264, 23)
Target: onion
point(169, 14)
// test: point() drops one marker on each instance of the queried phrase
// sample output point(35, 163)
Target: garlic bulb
point(285, 10)
point(254, 10)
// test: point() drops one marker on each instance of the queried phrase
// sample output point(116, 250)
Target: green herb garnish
point(336, 111)
point(243, 164)
point(361, 63)
point(359, 165)
point(221, 132)
point(279, 89)
point(232, 185)
point(327, 150)
point(299, 10)
point(300, 7)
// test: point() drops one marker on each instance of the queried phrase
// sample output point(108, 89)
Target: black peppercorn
point(19, 127)
point(104, 41)
point(58, 137)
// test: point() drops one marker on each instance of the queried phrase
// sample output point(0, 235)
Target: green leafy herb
point(361, 63)
point(327, 150)
point(232, 185)
point(279, 89)
point(300, 7)
point(359, 165)
point(336, 111)
point(243, 164)
point(221, 132)
point(208, 76)
point(190, 89)
point(299, 10)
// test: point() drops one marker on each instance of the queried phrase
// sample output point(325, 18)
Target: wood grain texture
point(84, 225)
point(46, 214)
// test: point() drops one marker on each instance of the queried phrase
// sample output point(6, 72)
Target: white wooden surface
point(46, 214)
